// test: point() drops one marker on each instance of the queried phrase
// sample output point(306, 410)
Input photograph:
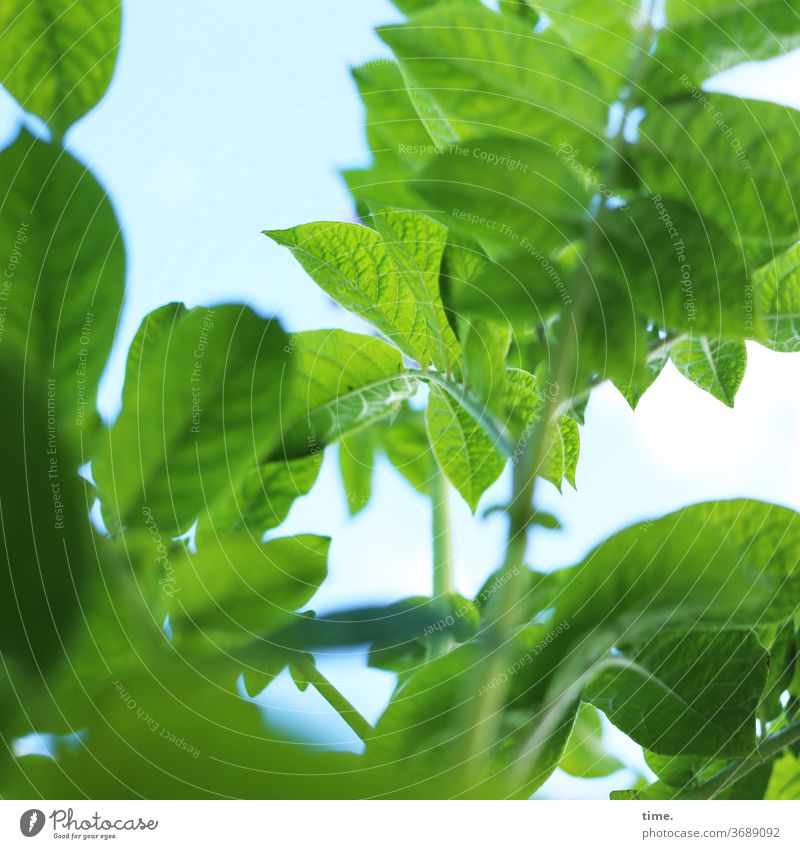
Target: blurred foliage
point(553, 202)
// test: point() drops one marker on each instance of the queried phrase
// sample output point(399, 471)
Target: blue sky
point(226, 119)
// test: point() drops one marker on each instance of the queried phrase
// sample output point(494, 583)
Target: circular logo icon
point(31, 822)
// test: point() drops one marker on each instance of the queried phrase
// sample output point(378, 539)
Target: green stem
point(442, 560)
point(305, 664)
point(486, 721)
point(770, 748)
point(442, 537)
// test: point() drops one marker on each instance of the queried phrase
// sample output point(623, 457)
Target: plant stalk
point(771, 747)
point(442, 537)
point(486, 720)
point(305, 664)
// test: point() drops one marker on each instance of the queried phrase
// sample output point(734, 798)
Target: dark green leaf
point(692, 693)
point(62, 289)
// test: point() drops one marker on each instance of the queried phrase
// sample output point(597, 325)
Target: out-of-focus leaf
point(701, 39)
point(405, 441)
point(585, 756)
point(356, 463)
point(511, 196)
point(473, 72)
point(693, 693)
point(265, 495)
point(57, 57)
point(731, 160)
point(784, 782)
point(61, 293)
point(199, 412)
point(239, 591)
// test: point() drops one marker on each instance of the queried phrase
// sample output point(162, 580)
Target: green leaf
point(343, 382)
point(61, 293)
point(356, 464)
point(785, 780)
point(463, 449)
point(585, 756)
point(374, 277)
point(57, 58)
point(264, 496)
point(739, 155)
point(405, 441)
point(782, 662)
point(716, 366)
point(777, 300)
point(683, 770)
point(692, 693)
point(654, 365)
point(665, 261)
point(399, 142)
point(199, 413)
point(512, 196)
point(485, 346)
point(237, 592)
point(416, 244)
point(702, 39)
point(562, 455)
point(479, 72)
point(524, 403)
point(645, 575)
point(425, 725)
point(47, 548)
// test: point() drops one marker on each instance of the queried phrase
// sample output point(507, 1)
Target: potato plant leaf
point(58, 58)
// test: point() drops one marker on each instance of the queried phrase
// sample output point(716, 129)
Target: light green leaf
point(424, 725)
point(692, 693)
point(524, 404)
point(264, 497)
point(785, 780)
point(405, 441)
point(356, 464)
point(462, 447)
point(585, 756)
point(562, 455)
point(485, 345)
point(343, 382)
point(416, 244)
point(62, 288)
point(57, 57)
point(777, 300)
point(355, 266)
point(200, 410)
point(716, 366)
